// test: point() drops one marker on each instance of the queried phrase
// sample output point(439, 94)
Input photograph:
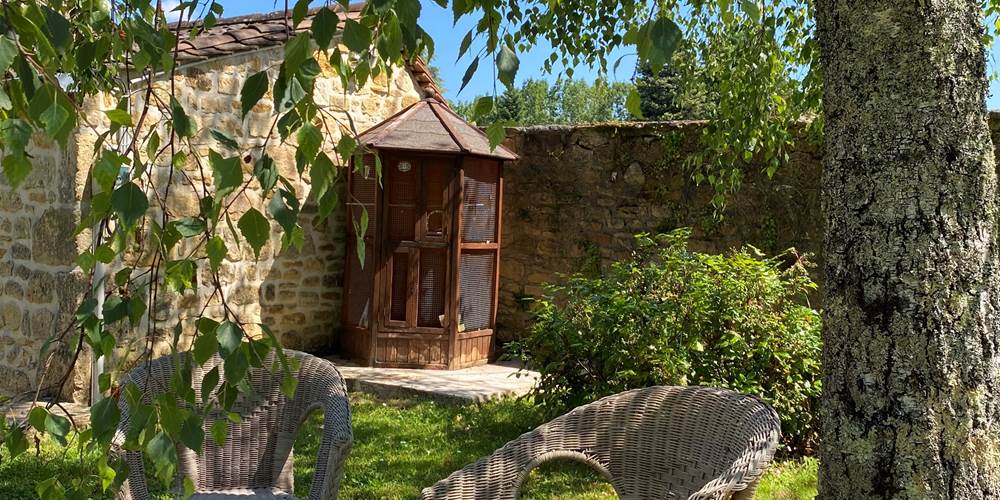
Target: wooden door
point(417, 208)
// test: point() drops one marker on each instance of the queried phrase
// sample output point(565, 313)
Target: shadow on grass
point(400, 447)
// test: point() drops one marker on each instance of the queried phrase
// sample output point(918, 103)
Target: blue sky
point(438, 22)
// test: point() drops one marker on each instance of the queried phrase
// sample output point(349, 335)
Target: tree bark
point(910, 322)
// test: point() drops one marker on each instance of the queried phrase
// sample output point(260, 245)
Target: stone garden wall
point(578, 195)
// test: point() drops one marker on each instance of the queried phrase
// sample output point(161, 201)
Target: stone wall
point(40, 287)
point(296, 292)
point(578, 195)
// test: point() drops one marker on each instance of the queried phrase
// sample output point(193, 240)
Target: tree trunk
point(911, 367)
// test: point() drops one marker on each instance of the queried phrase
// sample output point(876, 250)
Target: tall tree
point(671, 95)
point(911, 362)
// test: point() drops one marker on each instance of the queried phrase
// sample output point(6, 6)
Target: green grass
point(401, 446)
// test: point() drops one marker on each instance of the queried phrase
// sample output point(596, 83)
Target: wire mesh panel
point(479, 203)
point(476, 294)
point(433, 287)
point(360, 275)
point(401, 196)
point(400, 272)
point(359, 289)
point(364, 193)
point(437, 177)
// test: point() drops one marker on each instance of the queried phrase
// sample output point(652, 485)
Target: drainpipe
point(100, 277)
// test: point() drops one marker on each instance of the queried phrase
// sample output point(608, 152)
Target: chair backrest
point(257, 453)
point(657, 442)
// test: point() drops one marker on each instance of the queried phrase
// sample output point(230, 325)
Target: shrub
point(671, 316)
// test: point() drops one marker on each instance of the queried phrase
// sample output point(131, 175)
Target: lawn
point(400, 446)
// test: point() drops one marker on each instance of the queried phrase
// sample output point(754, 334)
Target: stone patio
point(469, 385)
point(480, 383)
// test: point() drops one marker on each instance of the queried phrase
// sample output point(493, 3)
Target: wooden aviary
point(425, 295)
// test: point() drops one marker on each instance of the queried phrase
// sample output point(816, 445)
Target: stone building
point(297, 293)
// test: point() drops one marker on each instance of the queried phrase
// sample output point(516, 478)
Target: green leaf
point(253, 89)
point(324, 26)
point(299, 11)
point(483, 107)
point(216, 250)
point(36, 418)
point(129, 203)
point(163, 455)
point(204, 347)
point(16, 168)
point(288, 385)
point(266, 172)
point(664, 37)
point(390, 41)
point(119, 117)
point(255, 229)
point(190, 226)
point(227, 175)
point(104, 416)
point(179, 275)
point(188, 487)
point(357, 37)
point(633, 103)
point(346, 147)
point(463, 47)
point(310, 139)
point(230, 337)
point(208, 383)
point(50, 489)
point(235, 367)
point(57, 426)
point(323, 176)
point(220, 429)
point(192, 435)
point(16, 442)
point(153, 146)
point(57, 27)
point(752, 10)
point(106, 170)
point(496, 133)
point(507, 65)
point(8, 51)
point(224, 139)
point(471, 70)
point(115, 309)
point(297, 50)
point(106, 474)
point(183, 125)
point(284, 208)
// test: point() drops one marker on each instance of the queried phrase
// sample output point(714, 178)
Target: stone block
point(52, 237)
point(40, 288)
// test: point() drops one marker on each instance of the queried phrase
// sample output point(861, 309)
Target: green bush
point(671, 316)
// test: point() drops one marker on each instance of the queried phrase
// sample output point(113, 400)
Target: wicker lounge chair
point(658, 442)
point(256, 461)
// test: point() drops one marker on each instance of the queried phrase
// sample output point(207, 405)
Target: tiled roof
point(429, 125)
point(234, 35)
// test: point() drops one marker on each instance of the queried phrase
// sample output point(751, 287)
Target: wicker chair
point(256, 461)
point(658, 442)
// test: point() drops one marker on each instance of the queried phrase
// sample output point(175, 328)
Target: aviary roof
point(431, 126)
point(234, 35)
